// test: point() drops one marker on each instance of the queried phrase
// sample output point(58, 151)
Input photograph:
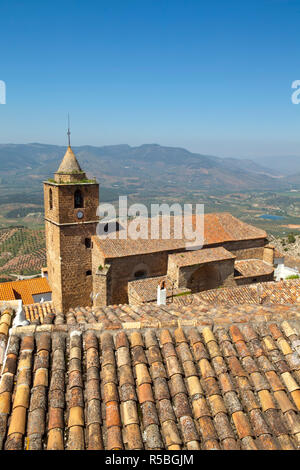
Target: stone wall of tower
point(63, 210)
point(69, 256)
point(52, 235)
point(76, 265)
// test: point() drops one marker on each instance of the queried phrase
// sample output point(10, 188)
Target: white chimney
point(161, 294)
point(20, 319)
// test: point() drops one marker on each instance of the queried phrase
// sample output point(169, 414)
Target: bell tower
point(71, 201)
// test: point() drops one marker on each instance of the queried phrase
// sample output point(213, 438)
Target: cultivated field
point(22, 251)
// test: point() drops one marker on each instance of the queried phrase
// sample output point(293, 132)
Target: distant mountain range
point(286, 165)
point(149, 167)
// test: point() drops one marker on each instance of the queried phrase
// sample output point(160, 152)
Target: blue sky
point(211, 76)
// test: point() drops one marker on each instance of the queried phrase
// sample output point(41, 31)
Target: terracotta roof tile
point(218, 228)
point(24, 289)
point(205, 255)
point(283, 292)
point(253, 267)
point(6, 291)
point(178, 387)
point(5, 324)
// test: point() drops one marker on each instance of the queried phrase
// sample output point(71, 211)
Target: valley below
point(149, 174)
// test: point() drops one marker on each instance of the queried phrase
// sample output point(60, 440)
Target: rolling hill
point(149, 167)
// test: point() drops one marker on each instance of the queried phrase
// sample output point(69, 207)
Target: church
point(86, 270)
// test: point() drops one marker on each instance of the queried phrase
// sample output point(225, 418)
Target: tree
point(291, 238)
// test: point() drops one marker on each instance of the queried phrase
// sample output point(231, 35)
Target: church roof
point(218, 228)
point(69, 163)
point(203, 256)
point(224, 227)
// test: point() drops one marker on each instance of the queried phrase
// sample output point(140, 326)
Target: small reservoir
point(271, 217)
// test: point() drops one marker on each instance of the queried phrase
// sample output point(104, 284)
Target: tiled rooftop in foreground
point(37, 312)
point(233, 304)
point(154, 316)
point(190, 375)
point(218, 387)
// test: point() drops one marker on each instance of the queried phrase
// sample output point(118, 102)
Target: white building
point(282, 271)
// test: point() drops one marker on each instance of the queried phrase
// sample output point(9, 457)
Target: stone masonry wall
point(101, 277)
point(173, 271)
point(240, 281)
point(53, 263)
point(206, 276)
point(247, 249)
point(122, 270)
point(268, 255)
point(76, 283)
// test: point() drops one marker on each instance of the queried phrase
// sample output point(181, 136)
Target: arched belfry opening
point(78, 199)
point(50, 199)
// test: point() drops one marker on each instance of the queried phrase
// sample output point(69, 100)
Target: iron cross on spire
point(69, 133)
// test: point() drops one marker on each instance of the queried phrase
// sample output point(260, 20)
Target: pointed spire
point(69, 163)
point(69, 169)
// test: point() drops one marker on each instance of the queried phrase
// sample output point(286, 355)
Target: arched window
point(88, 243)
point(112, 227)
point(141, 270)
point(78, 199)
point(140, 274)
point(50, 199)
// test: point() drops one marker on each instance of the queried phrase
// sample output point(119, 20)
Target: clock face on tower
point(79, 215)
